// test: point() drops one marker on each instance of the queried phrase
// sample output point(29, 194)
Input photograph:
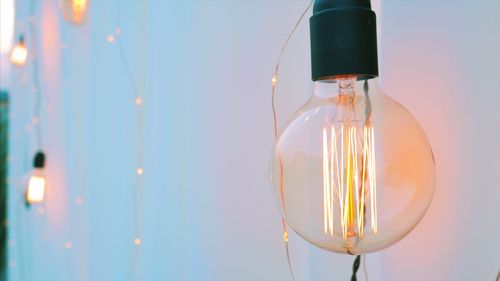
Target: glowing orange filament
point(349, 179)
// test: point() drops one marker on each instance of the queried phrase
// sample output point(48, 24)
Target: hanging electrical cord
point(355, 268)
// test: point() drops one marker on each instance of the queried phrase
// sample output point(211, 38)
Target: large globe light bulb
point(353, 170)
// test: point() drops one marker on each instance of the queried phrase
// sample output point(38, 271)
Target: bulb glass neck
point(345, 85)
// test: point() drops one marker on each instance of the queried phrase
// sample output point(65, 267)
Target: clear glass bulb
point(353, 171)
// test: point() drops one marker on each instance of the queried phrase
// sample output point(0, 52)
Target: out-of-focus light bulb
point(7, 19)
point(353, 170)
point(36, 189)
point(19, 54)
point(110, 39)
point(137, 241)
point(74, 10)
point(138, 101)
point(37, 182)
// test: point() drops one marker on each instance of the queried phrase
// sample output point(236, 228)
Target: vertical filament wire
point(349, 176)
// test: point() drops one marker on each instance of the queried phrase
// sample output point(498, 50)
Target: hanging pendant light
point(353, 170)
point(19, 54)
point(37, 182)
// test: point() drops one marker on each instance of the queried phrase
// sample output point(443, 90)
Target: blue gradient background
point(204, 70)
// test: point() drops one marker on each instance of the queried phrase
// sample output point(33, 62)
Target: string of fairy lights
point(138, 98)
point(74, 12)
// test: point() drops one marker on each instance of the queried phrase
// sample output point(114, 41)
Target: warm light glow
point(349, 169)
point(140, 171)
point(36, 189)
point(74, 10)
point(79, 5)
point(349, 178)
point(137, 241)
point(19, 54)
point(7, 19)
point(138, 101)
point(68, 245)
point(285, 236)
point(110, 39)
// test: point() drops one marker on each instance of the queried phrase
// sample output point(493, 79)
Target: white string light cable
point(274, 82)
point(138, 99)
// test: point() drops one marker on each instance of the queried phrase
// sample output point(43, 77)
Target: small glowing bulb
point(36, 120)
point(68, 245)
point(285, 236)
point(137, 241)
point(138, 101)
point(110, 39)
point(36, 189)
point(140, 171)
point(19, 54)
point(274, 80)
point(37, 182)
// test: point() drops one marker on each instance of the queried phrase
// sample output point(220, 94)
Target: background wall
point(204, 70)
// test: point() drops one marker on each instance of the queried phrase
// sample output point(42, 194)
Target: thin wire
point(138, 184)
point(364, 268)
point(276, 131)
point(276, 69)
point(36, 78)
point(24, 266)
